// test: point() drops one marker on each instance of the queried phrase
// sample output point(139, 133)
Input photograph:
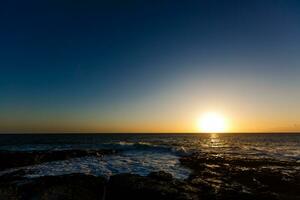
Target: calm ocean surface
point(144, 153)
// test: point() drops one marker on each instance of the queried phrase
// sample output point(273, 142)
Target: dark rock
point(158, 185)
point(161, 175)
point(155, 186)
point(10, 159)
point(66, 187)
point(226, 177)
point(9, 192)
point(213, 177)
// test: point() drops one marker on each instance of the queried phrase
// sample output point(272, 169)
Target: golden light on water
point(212, 122)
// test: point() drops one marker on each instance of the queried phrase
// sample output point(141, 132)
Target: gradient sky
point(148, 66)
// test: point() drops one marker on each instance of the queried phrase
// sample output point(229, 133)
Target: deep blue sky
point(113, 65)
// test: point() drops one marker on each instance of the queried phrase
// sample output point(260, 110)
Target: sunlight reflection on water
point(142, 154)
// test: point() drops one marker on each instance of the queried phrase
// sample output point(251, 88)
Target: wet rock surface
point(158, 185)
point(67, 187)
point(225, 177)
point(214, 177)
point(11, 159)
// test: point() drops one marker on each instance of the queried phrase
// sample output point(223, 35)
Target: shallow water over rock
point(128, 162)
point(217, 167)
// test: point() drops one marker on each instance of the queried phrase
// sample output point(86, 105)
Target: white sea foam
point(142, 154)
point(136, 162)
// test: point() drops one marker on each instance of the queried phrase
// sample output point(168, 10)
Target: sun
point(212, 123)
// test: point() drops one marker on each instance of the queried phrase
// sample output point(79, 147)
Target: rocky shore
point(226, 177)
point(214, 177)
point(157, 185)
point(12, 159)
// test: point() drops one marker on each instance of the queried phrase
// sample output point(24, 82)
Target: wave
point(146, 146)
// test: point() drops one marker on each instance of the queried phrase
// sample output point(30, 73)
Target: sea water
point(145, 153)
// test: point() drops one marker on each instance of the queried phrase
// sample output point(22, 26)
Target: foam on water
point(136, 163)
point(142, 154)
point(130, 160)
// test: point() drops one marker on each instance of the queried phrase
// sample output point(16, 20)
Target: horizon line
point(165, 133)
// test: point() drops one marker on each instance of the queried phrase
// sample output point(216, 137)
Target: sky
point(149, 66)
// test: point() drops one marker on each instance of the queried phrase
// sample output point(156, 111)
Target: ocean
point(145, 153)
